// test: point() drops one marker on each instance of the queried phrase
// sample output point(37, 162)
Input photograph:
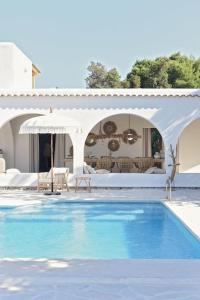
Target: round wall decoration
point(91, 139)
point(113, 145)
point(130, 136)
point(109, 128)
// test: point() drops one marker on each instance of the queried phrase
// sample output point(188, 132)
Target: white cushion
point(91, 170)
point(60, 170)
point(155, 170)
point(150, 170)
point(2, 165)
point(16, 171)
point(85, 169)
point(159, 171)
point(102, 171)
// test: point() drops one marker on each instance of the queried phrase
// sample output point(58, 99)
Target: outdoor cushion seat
point(87, 169)
point(159, 171)
point(16, 171)
point(102, 171)
point(155, 170)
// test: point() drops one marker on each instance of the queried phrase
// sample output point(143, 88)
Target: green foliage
point(175, 71)
point(99, 77)
point(113, 79)
point(156, 141)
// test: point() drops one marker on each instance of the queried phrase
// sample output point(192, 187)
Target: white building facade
point(174, 113)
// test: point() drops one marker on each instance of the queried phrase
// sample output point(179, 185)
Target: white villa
point(125, 133)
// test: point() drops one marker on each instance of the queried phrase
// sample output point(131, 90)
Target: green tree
point(175, 71)
point(134, 81)
point(113, 79)
point(183, 71)
point(149, 74)
point(97, 75)
point(100, 77)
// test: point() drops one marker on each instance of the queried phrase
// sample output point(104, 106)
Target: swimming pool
point(95, 231)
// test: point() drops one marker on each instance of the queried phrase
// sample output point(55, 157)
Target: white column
point(78, 154)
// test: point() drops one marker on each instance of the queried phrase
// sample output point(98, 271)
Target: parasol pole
point(52, 164)
point(51, 111)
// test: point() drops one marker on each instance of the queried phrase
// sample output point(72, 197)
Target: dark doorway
point(45, 152)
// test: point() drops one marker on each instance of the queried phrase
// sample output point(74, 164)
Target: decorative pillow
point(150, 170)
point(85, 169)
point(159, 171)
point(60, 170)
point(91, 170)
point(16, 171)
point(102, 171)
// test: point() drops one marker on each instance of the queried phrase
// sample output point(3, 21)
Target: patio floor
point(95, 280)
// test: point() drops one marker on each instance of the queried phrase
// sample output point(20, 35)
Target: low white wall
point(97, 180)
point(108, 180)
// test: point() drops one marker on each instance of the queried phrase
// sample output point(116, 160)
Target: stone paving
point(100, 280)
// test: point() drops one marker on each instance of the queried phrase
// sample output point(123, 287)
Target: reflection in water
point(95, 231)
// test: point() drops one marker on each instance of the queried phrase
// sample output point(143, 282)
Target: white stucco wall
point(189, 147)
point(15, 68)
point(7, 144)
point(21, 144)
point(168, 114)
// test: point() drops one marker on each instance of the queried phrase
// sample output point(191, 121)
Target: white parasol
point(52, 123)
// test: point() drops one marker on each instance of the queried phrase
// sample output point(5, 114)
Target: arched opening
point(189, 148)
point(31, 153)
point(124, 143)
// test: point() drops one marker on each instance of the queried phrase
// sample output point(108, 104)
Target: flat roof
point(101, 92)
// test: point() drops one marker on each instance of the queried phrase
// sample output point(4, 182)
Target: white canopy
point(54, 123)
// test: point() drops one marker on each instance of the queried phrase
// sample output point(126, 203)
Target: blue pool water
point(95, 231)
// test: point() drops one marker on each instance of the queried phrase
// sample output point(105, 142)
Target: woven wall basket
point(113, 145)
point(91, 139)
point(109, 128)
point(125, 136)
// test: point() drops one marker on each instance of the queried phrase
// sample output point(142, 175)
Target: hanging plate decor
point(109, 128)
point(113, 145)
point(91, 139)
point(130, 136)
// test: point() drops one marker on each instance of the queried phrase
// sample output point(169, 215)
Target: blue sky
point(62, 37)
